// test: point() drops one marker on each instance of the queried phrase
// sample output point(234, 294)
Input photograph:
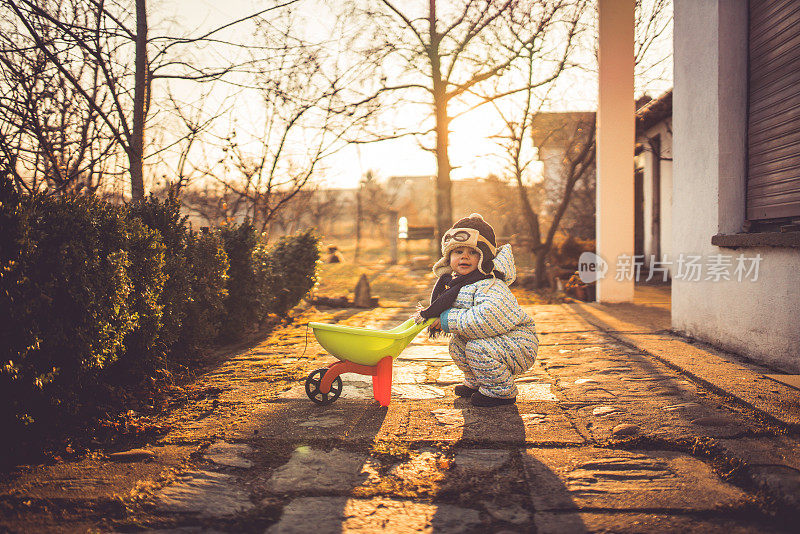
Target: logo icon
point(591, 267)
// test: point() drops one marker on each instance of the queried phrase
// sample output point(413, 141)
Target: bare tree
point(442, 56)
point(184, 150)
point(303, 118)
point(124, 61)
point(377, 198)
point(652, 50)
point(573, 137)
point(326, 207)
point(577, 145)
point(47, 132)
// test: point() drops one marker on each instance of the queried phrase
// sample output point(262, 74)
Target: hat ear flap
point(487, 266)
point(486, 263)
point(442, 266)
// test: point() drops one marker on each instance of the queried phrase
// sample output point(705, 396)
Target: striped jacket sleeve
point(495, 311)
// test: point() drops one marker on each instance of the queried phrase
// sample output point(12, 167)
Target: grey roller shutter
point(773, 181)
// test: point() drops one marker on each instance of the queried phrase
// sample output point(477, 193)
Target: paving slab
point(132, 455)
point(419, 352)
point(591, 478)
point(773, 463)
point(313, 471)
point(353, 387)
point(407, 373)
point(532, 422)
point(715, 368)
point(297, 420)
point(89, 478)
point(586, 337)
point(417, 392)
point(660, 418)
point(204, 492)
point(449, 375)
point(532, 392)
point(637, 523)
point(481, 461)
point(423, 469)
point(229, 454)
point(556, 318)
point(342, 515)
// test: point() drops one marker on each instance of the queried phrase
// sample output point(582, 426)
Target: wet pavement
point(604, 437)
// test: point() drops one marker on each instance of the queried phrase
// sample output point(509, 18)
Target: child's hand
point(434, 329)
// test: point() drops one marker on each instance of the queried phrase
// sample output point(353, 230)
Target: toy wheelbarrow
point(359, 350)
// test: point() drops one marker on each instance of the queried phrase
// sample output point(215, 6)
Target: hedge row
point(91, 292)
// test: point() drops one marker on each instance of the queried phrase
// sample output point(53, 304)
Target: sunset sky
point(472, 151)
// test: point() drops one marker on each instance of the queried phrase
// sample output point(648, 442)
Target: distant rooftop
point(654, 112)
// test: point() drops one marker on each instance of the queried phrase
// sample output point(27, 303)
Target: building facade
point(736, 188)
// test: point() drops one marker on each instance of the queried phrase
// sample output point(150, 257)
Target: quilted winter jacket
point(487, 308)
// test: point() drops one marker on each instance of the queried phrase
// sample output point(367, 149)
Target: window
point(773, 121)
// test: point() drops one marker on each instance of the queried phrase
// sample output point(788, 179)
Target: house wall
point(663, 130)
point(758, 319)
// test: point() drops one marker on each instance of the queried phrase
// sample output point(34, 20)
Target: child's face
point(464, 260)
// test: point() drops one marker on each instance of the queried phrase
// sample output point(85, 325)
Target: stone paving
point(603, 437)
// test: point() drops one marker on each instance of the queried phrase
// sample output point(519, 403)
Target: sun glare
point(473, 152)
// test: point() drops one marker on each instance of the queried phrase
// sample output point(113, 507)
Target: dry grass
point(401, 285)
point(392, 284)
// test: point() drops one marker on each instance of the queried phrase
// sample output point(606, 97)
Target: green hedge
point(91, 291)
point(164, 217)
point(266, 280)
point(244, 304)
point(293, 263)
point(69, 297)
point(208, 281)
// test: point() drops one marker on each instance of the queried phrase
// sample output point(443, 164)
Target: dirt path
point(603, 437)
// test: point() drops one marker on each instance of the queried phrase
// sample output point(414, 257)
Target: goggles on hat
point(467, 237)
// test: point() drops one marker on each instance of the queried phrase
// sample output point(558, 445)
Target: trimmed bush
point(143, 352)
point(268, 281)
point(293, 266)
point(244, 303)
point(165, 218)
point(208, 279)
point(67, 298)
point(9, 219)
point(92, 293)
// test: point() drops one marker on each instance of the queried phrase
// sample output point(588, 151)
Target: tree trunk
point(540, 269)
point(140, 97)
point(358, 224)
point(539, 249)
point(444, 205)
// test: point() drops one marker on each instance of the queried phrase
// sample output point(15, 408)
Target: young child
point(493, 339)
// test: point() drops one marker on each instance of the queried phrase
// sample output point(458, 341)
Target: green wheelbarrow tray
point(365, 346)
point(359, 350)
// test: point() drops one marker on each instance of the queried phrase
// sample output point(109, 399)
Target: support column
point(615, 143)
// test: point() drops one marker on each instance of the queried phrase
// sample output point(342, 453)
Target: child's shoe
point(479, 399)
point(464, 391)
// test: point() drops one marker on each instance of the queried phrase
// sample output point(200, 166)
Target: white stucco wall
point(758, 319)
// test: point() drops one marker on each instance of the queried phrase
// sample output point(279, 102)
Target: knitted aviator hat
point(471, 232)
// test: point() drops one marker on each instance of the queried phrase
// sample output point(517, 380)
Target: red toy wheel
point(313, 387)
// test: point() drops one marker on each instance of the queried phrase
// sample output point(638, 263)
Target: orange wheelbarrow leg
point(332, 373)
point(382, 381)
